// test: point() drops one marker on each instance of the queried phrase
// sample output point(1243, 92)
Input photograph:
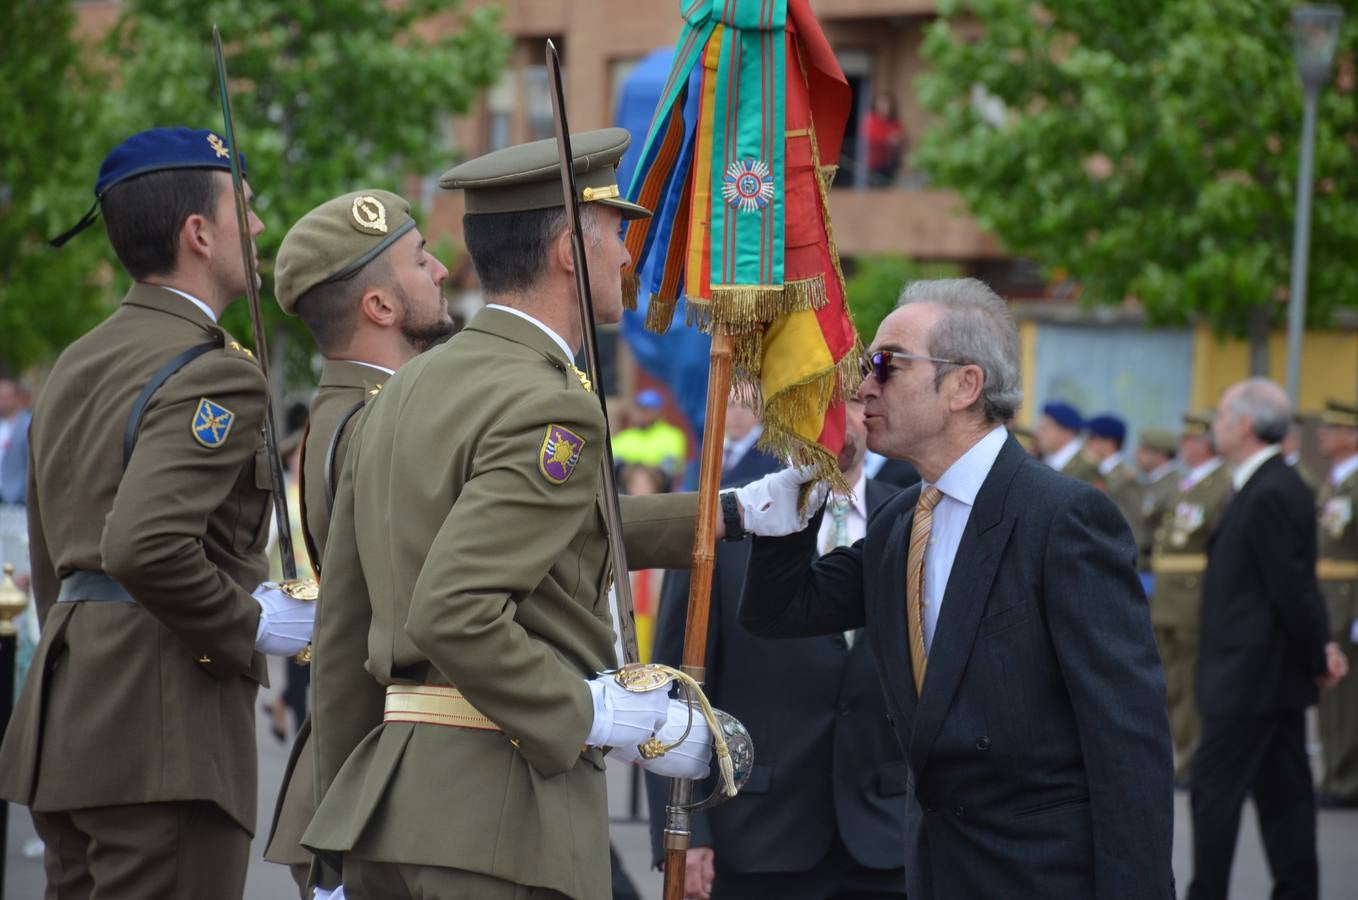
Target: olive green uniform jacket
point(1337, 570)
point(1127, 492)
point(150, 701)
point(458, 554)
point(1081, 468)
point(1157, 501)
point(343, 385)
point(1180, 551)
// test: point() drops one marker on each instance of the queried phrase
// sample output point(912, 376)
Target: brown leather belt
point(1337, 569)
point(430, 704)
point(1179, 564)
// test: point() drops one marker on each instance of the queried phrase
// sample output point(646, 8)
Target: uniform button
point(983, 743)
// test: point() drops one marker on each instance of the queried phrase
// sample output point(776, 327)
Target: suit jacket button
point(961, 812)
point(843, 709)
point(890, 721)
point(983, 743)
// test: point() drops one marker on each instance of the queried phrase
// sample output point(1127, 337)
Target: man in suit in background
point(741, 460)
point(1264, 648)
point(823, 813)
point(1009, 628)
point(14, 419)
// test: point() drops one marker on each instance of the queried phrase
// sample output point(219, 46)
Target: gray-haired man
point(1007, 623)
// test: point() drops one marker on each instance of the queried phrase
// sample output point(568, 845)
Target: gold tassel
point(631, 284)
point(743, 306)
point(660, 313)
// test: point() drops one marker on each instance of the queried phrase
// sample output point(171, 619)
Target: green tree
point(52, 136)
point(874, 284)
point(1147, 147)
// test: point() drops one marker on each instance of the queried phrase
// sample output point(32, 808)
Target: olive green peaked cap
point(336, 239)
point(528, 176)
point(1160, 439)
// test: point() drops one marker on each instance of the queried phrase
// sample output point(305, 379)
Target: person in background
point(1178, 561)
point(1337, 570)
point(1155, 452)
point(824, 813)
point(741, 460)
point(1264, 649)
point(1057, 436)
point(886, 141)
point(14, 419)
point(1103, 447)
point(649, 440)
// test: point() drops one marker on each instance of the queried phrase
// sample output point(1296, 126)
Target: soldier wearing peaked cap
point(357, 272)
point(1159, 476)
point(149, 508)
point(1337, 571)
point(458, 719)
point(1178, 561)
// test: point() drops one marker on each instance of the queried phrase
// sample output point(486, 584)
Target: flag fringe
point(631, 284)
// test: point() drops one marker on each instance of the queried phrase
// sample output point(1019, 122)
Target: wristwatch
point(730, 514)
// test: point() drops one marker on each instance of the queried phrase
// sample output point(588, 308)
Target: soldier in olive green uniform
point(1155, 451)
point(356, 271)
point(1103, 447)
point(149, 504)
point(467, 573)
point(1178, 561)
point(1057, 435)
point(1337, 571)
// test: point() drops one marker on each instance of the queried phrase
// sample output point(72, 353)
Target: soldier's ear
point(561, 252)
point(378, 306)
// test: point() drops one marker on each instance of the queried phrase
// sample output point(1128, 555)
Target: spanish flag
point(737, 165)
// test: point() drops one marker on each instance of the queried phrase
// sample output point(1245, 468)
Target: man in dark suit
point(1263, 649)
point(741, 460)
point(1010, 632)
point(823, 814)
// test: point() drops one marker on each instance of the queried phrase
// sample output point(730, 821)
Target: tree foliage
point(327, 96)
point(1147, 147)
point(51, 140)
point(874, 285)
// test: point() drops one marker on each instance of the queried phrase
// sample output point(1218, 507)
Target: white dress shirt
point(1160, 471)
point(207, 310)
point(1343, 469)
point(560, 341)
point(1199, 472)
point(359, 362)
point(1110, 462)
point(1243, 472)
point(960, 485)
point(1060, 458)
point(857, 521)
point(733, 452)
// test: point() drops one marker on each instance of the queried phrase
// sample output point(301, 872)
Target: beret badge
point(369, 215)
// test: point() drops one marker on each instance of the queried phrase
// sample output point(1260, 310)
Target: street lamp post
point(1315, 35)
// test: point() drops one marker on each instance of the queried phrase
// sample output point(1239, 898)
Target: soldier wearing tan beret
point(357, 271)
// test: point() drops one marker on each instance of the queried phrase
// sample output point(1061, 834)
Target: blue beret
point(650, 399)
point(1063, 414)
point(155, 150)
point(1108, 426)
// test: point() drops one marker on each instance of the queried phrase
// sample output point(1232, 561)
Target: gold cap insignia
point(370, 215)
point(218, 147)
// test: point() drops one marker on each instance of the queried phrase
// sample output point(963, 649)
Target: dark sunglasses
point(879, 365)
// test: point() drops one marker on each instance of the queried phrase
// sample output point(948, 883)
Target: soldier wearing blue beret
point(1058, 441)
point(149, 507)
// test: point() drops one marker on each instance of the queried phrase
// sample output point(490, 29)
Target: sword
point(280, 494)
point(622, 585)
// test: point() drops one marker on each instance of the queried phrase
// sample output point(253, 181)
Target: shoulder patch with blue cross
point(212, 423)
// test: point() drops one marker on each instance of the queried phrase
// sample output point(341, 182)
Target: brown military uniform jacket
point(468, 547)
point(1126, 491)
point(151, 701)
point(1337, 553)
point(1180, 555)
point(1157, 501)
point(343, 385)
point(1081, 468)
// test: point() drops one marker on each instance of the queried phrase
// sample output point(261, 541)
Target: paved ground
point(1338, 843)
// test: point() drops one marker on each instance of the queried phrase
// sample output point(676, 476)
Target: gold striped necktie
point(914, 580)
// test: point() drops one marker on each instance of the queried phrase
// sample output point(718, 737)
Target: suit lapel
point(973, 572)
point(886, 615)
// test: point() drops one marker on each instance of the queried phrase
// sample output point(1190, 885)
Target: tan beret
point(336, 239)
point(528, 176)
point(1159, 439)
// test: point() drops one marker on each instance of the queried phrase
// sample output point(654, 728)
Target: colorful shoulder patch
point(212, 423)
point(560, 452)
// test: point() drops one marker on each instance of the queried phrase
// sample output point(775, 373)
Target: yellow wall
point(1329, 366)
point(1028, 329)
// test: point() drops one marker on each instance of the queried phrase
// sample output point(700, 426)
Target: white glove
point(769, 505)
point(322, 894)
point(693, 757)
point(284, 623)
point(623, 719)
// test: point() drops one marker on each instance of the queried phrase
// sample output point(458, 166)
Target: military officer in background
point(1337, 571)
point(1057, 436)
point(1178, 561)
point(459, 719)
point(1103, 446)
point(357, 272)
point(1159, 477)
point(150, 496)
